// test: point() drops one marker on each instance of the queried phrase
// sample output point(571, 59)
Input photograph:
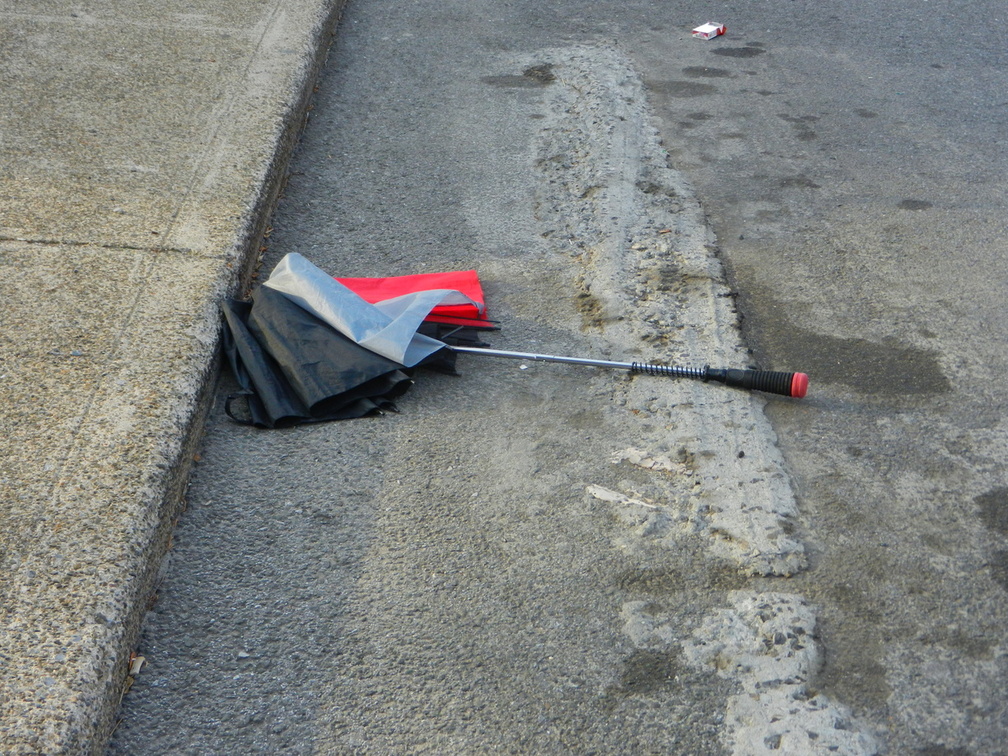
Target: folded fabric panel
point(466, 282)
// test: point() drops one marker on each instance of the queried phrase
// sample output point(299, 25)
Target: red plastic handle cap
point(799, 385)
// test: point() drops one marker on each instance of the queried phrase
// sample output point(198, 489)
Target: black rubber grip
point(769, 381)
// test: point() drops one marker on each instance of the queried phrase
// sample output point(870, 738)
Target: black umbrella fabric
point(306, 349)
point(293, 368)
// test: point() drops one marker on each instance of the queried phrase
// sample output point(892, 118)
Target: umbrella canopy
point(307, 348)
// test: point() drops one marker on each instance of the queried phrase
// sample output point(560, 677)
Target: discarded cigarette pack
point(709, 30)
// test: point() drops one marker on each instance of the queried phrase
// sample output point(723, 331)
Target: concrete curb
point(111, 290)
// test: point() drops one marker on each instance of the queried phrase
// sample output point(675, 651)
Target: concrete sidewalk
point(141, 149)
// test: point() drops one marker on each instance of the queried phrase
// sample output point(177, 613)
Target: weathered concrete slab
point(146, 126)
point(106, 354)
point(140, 147)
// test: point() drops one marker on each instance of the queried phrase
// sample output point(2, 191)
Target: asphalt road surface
point(551, 559)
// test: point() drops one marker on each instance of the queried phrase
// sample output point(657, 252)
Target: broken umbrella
point(309, 347)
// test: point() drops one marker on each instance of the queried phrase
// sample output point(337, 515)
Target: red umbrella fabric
point(471, 314)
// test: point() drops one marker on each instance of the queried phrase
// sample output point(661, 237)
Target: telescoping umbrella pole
point(787, 384)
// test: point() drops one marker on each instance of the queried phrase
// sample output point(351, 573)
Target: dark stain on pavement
point(543, 73)
point(803, 130)
point(646, 671)
point(726, 578)
point(650, 580)
point(914, 204)
point(994, 510)
point(972, 646)
point(999, 567)
point(798, 182)
point(591, 310)
point(889, 368)
point(533, 76)
point(651, 187)
point(679, 88)
point(749, 51)
point(668, 277)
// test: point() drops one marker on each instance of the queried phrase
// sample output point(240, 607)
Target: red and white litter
point(710, 30)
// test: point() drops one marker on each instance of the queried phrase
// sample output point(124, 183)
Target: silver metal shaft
point(635, 367)
point(542, 357)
